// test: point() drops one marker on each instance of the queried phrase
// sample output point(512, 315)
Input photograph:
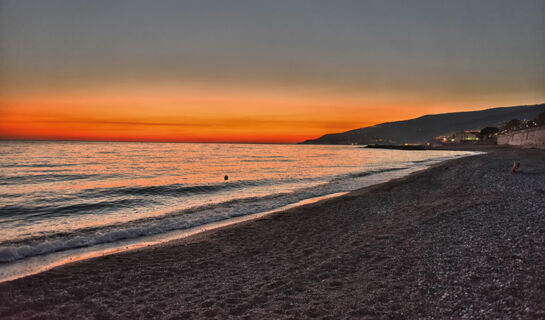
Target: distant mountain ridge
point(422, 129)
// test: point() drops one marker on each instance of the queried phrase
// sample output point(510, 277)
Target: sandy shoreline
point(465, 238)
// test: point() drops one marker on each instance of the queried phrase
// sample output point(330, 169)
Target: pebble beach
point(463, 239)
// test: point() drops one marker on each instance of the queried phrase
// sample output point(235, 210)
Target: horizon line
point(3, 139)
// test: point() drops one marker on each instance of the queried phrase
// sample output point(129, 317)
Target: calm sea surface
point(58, 196)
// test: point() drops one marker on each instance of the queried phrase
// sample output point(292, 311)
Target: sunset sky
point(258, 71)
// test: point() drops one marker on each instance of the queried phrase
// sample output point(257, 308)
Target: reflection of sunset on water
point(63, 195)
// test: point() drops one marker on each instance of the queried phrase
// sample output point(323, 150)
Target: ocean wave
point(56, 205)
point(142, 196)
point(80, 208)
point(148, 204)
point(175, 190)
point(371, 172)
point(267, 160)
point(12, 195)
point(50, 177)
point(37, 165)
point(423, 161)
point(176, 220)
point(15, 250)
point(13, 253)
point(432, 160)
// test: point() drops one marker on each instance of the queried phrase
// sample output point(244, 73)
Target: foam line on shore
point(38, 264)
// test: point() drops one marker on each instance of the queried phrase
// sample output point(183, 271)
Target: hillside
point(422, 129)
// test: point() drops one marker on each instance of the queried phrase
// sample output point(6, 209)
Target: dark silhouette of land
point(422, 129)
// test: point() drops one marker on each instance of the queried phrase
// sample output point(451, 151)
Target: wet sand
point(463, 239)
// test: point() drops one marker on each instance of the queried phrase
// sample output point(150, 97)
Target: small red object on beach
point(516, 166)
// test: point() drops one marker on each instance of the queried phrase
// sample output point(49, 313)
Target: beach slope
point(465, 238)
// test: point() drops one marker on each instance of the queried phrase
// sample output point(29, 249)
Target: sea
point(67, 201)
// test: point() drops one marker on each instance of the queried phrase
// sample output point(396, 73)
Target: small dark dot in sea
point(226, 178)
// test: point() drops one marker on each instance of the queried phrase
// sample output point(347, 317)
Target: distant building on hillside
point(465, 136)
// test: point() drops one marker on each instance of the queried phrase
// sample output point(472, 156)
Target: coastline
point(462, 238)
point(28, 267)
point(34, 264)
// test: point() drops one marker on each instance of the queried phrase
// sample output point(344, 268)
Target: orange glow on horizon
point(195, 114)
